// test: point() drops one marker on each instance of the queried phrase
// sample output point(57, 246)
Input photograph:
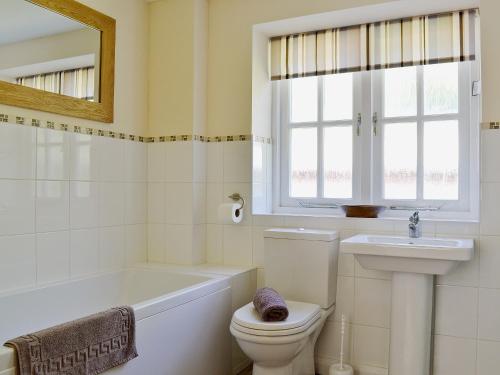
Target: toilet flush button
point(301, 229)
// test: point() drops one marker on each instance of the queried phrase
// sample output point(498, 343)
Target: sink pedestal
point(411, 323)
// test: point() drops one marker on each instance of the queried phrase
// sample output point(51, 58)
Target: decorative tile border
point(4, 118)
point(493, 125)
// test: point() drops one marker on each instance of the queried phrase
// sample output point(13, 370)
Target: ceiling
point(22, 20)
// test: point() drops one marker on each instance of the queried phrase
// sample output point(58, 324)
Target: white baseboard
point(323, 366)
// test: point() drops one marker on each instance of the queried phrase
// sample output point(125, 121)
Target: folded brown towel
point(86, 346)
point(270, 305)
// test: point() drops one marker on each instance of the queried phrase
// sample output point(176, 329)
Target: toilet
point(301, 264)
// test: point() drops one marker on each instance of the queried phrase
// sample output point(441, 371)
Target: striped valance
point(428, 39)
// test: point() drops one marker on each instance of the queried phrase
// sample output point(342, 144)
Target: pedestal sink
point(414, 262)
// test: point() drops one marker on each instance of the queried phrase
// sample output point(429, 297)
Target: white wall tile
point(199, 253)
point(53, 256)
point(156, 203)
point(258, 246)
point(490, 144)
point(215, 162)
point(52, 206)
point(488, 357)
point(53, 155)
point(17, 152)
point(17, 207)
point(237, 245)
point(84, 252)
point(157, 244)
point(136, 203)
point(18, 265)
point(372, 302)
point(237, 162)
point(215, 254)
point(489, 314)
point(85, 157)
point(454, 356)
point(199, 203)
point(111, 203)
point(111, 248)
point(179, 239)
point(84, 204)
point(490, 214)
point(156, 162)
point(489, 249)
point(136, 161)
point(215, 192)
point(456, 311)
point(179, 162)
point(199, 162)
point(179, 203)
point(112, 158)
point(345, 299)
point(135, 244)
point(371, 346)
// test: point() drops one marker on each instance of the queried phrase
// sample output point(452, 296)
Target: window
point(404, 137)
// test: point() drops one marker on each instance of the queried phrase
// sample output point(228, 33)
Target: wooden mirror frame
point(27, 97)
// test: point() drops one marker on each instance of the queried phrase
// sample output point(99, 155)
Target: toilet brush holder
point(341, 368)
point(344, 370)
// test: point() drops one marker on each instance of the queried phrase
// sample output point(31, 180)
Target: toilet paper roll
point(230, 213)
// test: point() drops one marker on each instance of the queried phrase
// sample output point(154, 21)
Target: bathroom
point(124, 196)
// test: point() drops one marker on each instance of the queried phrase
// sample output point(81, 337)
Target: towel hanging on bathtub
point(87, 346)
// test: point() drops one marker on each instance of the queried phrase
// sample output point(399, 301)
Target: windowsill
point(388, 215)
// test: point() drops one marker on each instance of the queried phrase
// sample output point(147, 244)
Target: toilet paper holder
point(237, 198)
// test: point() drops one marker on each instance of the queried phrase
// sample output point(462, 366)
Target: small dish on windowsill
point(363, 211)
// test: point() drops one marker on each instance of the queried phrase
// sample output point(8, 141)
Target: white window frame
point(367, 149)
point(320, 124)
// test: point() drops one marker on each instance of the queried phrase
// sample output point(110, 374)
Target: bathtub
point(182, 317)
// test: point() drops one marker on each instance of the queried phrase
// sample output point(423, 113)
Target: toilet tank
point(301, 264)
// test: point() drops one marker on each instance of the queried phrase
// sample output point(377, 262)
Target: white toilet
point(301, 264)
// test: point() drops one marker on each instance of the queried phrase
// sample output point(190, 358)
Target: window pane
point(304, 99)
point(441, 160)
point(337, 159)
point(400, 161)
point(400, 92)
point(337, 97)
point(303, 162)
point(441, 88)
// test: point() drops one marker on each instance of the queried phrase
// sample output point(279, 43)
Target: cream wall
point(177, 67)
point(131, 70)
point(230, 54)
point(490, 55)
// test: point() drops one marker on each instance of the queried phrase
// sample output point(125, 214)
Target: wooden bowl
point(365, 211)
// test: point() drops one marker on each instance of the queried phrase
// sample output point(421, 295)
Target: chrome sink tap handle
point(414, 228)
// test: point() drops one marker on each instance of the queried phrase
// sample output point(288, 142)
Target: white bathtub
point(182, 317)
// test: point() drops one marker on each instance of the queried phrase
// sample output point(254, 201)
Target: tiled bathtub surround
point(70, 204)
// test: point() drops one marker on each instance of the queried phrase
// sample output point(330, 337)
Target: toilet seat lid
point(299, 314)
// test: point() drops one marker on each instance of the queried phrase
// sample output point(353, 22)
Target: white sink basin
point(413, 262)
point(433, 256)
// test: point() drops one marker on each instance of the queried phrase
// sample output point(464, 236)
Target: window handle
point(358, 125)
point(374, 123)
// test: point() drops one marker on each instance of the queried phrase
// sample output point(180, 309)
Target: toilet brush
point(341, 368)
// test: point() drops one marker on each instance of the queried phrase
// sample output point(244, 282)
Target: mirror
point(57, 57)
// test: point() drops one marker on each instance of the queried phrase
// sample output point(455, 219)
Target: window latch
point(374, 123)
point(358, 125)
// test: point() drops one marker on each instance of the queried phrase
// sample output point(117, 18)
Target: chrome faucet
point(414, 228)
